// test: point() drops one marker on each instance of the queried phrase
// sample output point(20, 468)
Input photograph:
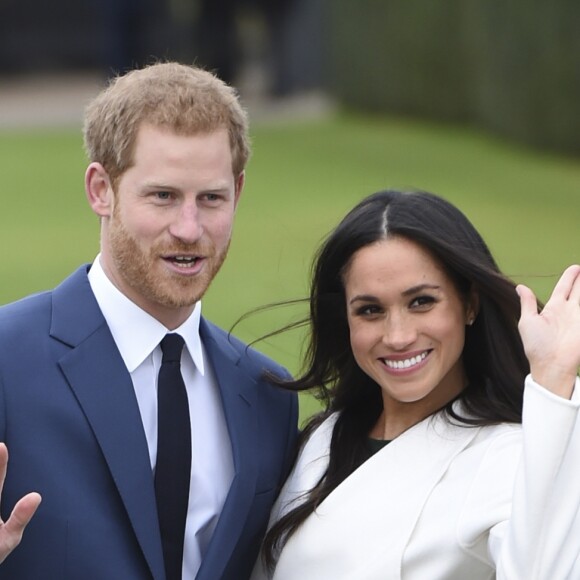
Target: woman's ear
point(472, 307)
point(98, 189)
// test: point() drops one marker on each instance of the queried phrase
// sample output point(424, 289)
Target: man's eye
point(163, 195)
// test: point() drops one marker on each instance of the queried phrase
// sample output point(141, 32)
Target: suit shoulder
point(34, 307)
point(253, 360)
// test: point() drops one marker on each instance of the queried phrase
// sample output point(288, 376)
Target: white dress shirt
point(137, 336)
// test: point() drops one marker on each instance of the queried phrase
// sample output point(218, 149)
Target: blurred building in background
point(63, 35)
point(276, 42)
point(512, 68)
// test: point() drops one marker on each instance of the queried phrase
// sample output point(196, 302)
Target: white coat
point(446, 502)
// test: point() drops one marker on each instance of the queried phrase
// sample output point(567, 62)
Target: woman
point(422, 466)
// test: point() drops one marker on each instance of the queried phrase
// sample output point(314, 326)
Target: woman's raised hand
point(551, 338)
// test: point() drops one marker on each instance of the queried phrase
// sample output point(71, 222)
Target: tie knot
point(171, 347)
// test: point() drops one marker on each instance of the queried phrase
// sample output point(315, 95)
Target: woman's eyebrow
point(420, 288)
point(363, 298)
point(408, 292)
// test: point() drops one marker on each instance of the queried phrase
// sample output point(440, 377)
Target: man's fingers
point(11, 532)
point(22, 513)
point(3, 464)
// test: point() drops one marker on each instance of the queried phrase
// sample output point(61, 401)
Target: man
point(79, 366)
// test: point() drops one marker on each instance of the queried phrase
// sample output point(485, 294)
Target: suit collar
point(102, 385)
point(238, 392)
point(75, 312)
point(136, 332)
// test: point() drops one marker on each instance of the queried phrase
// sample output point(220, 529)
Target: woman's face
point(407, 325)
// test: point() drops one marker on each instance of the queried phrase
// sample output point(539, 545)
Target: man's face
point(170, 220)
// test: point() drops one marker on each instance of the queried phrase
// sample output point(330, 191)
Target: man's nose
point(186, 224)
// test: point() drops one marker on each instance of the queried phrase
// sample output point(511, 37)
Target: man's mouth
point(183, 261)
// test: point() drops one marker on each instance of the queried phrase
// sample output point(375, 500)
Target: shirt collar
point(137, 333)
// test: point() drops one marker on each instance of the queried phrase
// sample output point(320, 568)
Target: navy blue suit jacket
point(70, 419)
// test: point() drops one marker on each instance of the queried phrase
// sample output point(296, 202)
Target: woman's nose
point(399, 332)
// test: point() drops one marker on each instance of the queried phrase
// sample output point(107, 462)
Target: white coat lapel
point(362, 528)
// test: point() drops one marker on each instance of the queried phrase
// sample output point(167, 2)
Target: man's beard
point(141, 270)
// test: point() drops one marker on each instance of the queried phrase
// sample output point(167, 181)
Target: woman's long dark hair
point(493, 355)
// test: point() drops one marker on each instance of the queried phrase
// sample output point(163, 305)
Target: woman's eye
point(367, 310)
point(422, 301)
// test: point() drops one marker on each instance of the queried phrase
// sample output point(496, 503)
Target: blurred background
point(476, 100)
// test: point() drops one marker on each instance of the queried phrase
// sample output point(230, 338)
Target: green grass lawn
point(302, 178)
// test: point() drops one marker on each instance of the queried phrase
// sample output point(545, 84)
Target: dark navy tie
point(173, 468)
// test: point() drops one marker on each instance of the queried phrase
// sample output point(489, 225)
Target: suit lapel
point(238, 393)
point(97, 375)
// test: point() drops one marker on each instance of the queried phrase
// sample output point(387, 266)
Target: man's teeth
point(406, 363)
point(184, 261)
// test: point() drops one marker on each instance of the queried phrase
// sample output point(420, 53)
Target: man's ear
point(98, 189)
point(240, 181)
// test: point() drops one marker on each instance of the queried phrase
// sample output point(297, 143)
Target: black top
point(374, 445)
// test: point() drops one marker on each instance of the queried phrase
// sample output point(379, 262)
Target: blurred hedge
point(512, 67)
